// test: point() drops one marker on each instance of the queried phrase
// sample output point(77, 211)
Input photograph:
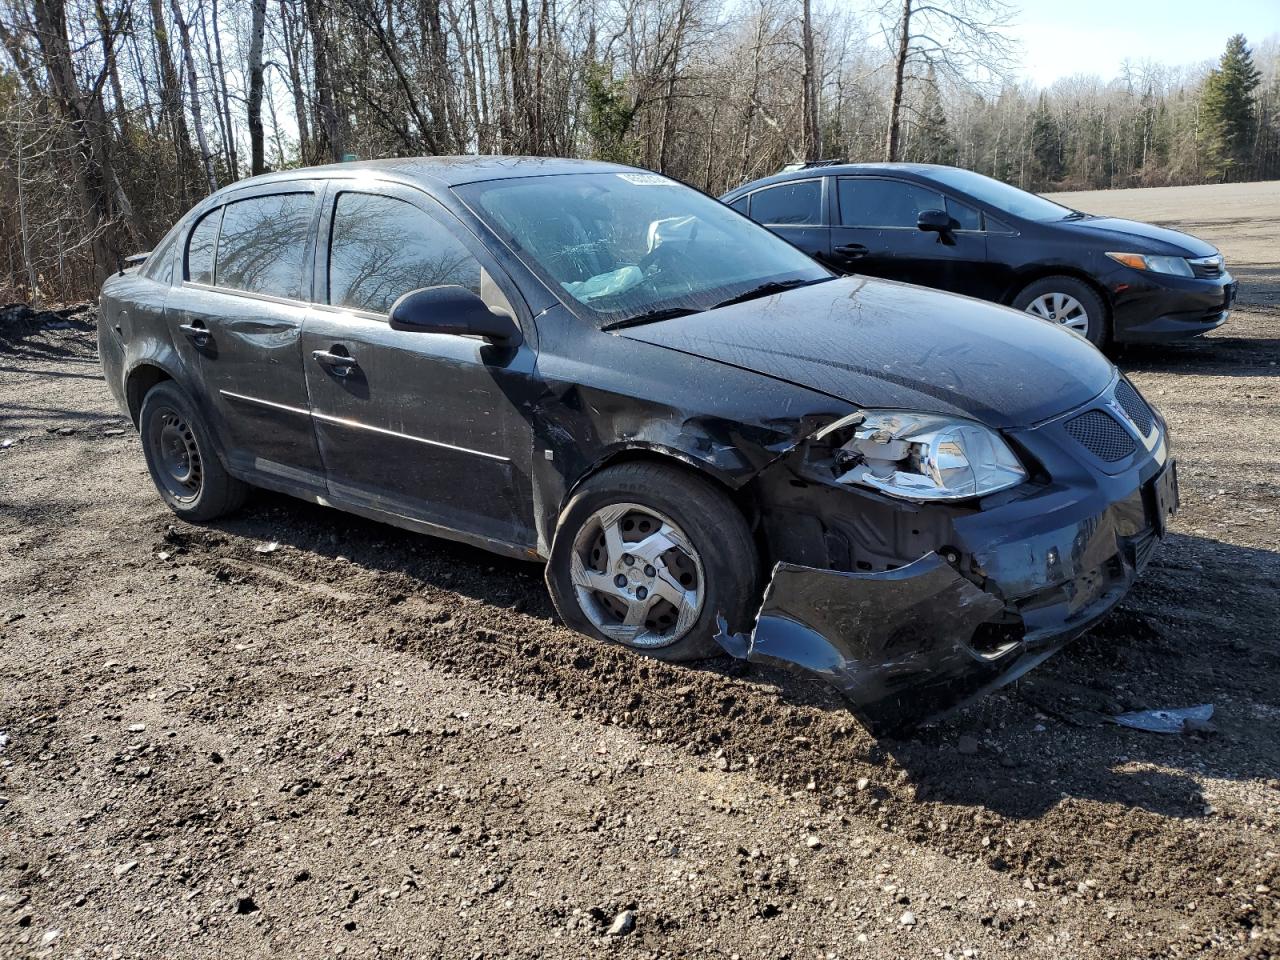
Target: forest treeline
point(117, 115)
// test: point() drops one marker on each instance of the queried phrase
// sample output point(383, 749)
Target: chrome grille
point(1102, 435)
point(1207, 267)
point(1134, 407)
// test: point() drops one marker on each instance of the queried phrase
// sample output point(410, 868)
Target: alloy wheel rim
point(1061, 308)
point(177, 455)
point(637, 577)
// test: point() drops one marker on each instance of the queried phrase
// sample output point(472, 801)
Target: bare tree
point(963, 40)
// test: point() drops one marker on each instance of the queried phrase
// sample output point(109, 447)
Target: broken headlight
point(921, 456)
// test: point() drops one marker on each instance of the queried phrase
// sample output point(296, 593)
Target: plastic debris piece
point(271, 547)
point(1166, 721)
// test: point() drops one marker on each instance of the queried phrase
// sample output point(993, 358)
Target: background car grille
point(1206, 266)
point(1101, 434)
point(1134, 406)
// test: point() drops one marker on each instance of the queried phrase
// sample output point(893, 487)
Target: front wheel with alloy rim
point(1068, 301)
point(647, 555)
point(181, 459)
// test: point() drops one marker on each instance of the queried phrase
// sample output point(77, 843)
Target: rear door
point(424, 425)
point(875, 233)
point(236, 312)
point(794, 211)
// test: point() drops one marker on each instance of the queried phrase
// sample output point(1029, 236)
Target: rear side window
point(263, 242)
point(741, 203)
point(200, 245)
point(868, 202)
point(381, 248)
point(788, 203)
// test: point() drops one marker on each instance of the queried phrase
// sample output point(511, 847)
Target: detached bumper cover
point(909, 644)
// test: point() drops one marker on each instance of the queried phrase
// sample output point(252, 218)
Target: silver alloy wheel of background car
point(1061, 308)
point(637, 577)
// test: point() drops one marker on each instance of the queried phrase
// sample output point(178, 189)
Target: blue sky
point(1061, 38)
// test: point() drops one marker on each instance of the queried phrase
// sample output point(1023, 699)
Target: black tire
point(1098, 331)
point(181, 458)
point(711, 523)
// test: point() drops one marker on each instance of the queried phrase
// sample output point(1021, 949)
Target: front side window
point(380, 248)
point(622, 247)
point(966, 216)
point(200, 246)
point(788, 203)
point(870, 202)
point(263, 242)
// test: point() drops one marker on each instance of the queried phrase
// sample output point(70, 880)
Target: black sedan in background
point(1108, 280)
point(697, 427)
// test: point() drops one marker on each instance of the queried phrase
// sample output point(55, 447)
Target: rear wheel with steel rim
point(1069, 302)
point(646, 555)
point(181, 459)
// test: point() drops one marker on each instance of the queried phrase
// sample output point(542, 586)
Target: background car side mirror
point(939, 222)
point(455, 310)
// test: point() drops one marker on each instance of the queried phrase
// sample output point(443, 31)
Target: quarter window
point(788, 203)
point(381, 248)
point(200, 248)
point(869, 202)
point(263, 242)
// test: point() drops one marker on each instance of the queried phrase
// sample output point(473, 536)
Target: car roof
point(442, 171)
point(918, 170)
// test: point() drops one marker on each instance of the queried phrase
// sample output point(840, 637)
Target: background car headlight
point(924, 456)
point(1177, 266)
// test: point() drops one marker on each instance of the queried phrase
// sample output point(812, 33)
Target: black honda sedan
point(710, 439)
point(1108, 280)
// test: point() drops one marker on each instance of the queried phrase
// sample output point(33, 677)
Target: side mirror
point(935, 221)
point(455, 310)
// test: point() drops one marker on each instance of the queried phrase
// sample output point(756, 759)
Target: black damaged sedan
point(712, 441)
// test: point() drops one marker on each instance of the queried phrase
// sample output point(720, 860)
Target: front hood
point(877, 343)
point(1141, 237)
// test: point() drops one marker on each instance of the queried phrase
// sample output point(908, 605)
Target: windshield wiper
point(650, 316)
point(1075, 215)
point(764, 289)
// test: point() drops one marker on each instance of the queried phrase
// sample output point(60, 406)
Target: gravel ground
point(298, 733)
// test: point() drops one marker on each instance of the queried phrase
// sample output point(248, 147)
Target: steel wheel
point(637, 577)
point(176, 455)
point(1061, 308)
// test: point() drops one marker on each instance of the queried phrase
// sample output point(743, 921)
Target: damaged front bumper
point(1002, 588)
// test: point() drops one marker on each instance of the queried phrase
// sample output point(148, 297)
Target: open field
point(368, 743)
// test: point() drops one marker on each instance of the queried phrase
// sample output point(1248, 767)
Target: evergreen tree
point(931, 140)
point(1229, 110)
point(1046, 147)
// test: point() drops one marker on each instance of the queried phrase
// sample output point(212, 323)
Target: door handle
point(197, 331)
point(339, 364)
point(851, 250)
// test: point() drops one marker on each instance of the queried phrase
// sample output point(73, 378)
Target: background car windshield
point(1001, 195)
point(620, 245)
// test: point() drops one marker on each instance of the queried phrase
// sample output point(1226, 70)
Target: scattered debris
point(127, 867)
point(1181, 720)
point(4, 739)
point(271, 547)
point(908, 919)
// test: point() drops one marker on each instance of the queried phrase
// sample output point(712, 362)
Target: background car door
point(424, 425)
point(236, 314)
point(792, 210)
point(875, 233)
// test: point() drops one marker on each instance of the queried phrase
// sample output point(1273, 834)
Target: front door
point(875, 234)
point(236, 314)
point(422, 425)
